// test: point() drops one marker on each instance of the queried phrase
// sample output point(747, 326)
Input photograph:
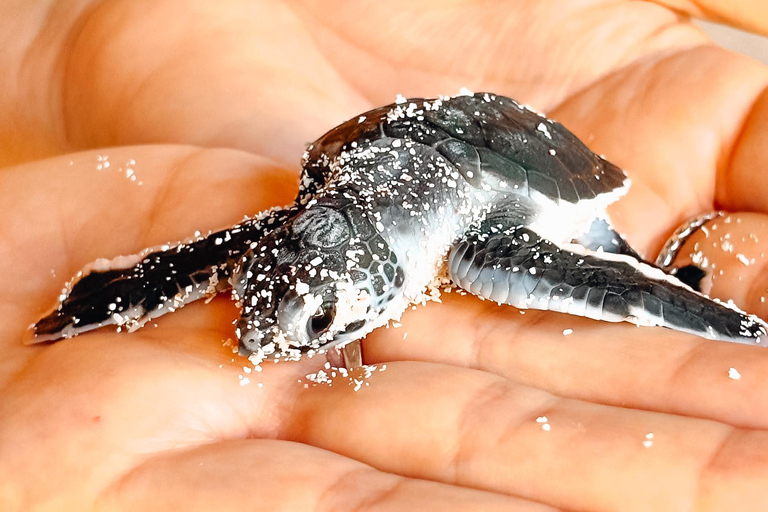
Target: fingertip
point(726, 256)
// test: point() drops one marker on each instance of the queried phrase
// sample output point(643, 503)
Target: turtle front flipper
point(514, 265)
point(128, 291)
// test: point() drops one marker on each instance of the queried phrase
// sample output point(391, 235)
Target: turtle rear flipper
point(602, 237)
point(515, 266)
point(129, 291)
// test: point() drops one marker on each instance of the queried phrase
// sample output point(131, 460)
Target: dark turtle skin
point(475, 190)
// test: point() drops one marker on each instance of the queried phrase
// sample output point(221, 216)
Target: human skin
point(228, 96)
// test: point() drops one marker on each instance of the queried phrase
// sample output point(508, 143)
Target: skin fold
point(209, 108)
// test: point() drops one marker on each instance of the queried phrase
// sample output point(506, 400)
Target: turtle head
point(312, 284)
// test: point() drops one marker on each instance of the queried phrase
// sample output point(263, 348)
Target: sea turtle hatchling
point(475, 188)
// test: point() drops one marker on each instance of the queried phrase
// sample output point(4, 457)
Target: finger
point(671, 128)
point(150, 398)
point(616, 364)
point(279, 475)
point(324, 65)
point(742, 184)
point(149, 393)
point(118, 201)
point(748, 14)
point(258, 81)
point(504, 50)
point(732, 250)
point(481, 431)
point(59, 214)
point(85, 411)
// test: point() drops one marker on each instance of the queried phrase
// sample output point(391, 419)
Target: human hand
point(158, 418)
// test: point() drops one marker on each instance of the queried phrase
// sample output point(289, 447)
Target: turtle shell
point(483, 133)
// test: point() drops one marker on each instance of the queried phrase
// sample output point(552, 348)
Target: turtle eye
point(322, 320)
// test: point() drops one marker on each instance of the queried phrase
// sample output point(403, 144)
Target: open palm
point(480, 406)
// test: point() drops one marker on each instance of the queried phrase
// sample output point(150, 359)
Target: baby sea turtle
point(475, 189)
